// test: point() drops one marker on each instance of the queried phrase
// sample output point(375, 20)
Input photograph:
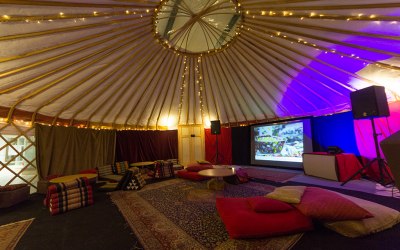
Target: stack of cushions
point(65, 196)
point(291, 209)
point(191, 171)
point(11, 195)
point(113, 172)
point(346, 215)
point(175, 164)
point(163, 169)
point(120, 167)
point(259, 217)
point(133, 181)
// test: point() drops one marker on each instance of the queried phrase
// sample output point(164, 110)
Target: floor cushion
point(11, 195)
point(289, 194)
point(383, 218)
point(322, 204)
point(242, 222)
point(196, 167)
point(194, 176)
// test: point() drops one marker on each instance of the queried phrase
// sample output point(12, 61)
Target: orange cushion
point(323, 204)
point(262, 204)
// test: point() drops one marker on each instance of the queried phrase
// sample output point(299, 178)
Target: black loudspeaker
point(369, 102)
point(390, 148)
point(215, 127)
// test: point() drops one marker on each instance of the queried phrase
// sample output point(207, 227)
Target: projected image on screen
point(279, 142)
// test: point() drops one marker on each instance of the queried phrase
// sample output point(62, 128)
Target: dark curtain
point(334, 130)
point(224, 146)
point(137, 146)
point(67, 150)
point(241, 145)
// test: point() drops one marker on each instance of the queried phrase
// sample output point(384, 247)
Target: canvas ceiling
point(100, 63)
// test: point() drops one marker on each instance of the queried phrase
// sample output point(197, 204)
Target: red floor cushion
point(323, 204)
point(194, 176)
point(242, 222)
point(196, 167)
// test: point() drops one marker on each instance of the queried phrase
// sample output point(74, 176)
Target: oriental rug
point(269, 175)
point(181, 214)
point(11, 233)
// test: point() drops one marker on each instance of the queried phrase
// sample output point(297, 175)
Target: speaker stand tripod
point(216, 153)
point(382, 164)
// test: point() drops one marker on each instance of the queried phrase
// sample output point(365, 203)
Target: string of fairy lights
point(182, 87)
point(252, 13)
point(62, 15)
point(200, 84)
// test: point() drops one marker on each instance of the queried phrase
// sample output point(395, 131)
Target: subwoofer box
point(321, 165)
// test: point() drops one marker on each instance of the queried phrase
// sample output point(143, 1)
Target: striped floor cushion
point(105, 170)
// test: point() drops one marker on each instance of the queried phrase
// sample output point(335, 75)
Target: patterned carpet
point(181, 214)
point(11, 233)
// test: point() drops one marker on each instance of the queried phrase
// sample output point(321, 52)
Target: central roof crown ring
point(197, 26)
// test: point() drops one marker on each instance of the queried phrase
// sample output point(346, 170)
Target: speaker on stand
point(216, 130)
point(369, 103)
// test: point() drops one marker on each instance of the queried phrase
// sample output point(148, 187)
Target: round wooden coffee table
point(217, 182)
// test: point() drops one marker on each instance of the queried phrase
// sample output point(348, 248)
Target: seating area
point(292, 209)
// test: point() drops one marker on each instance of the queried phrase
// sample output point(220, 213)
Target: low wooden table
point(217, 182)
point(91, 177)
point(143, 165)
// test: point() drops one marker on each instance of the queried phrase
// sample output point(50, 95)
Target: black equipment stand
point(382, 164)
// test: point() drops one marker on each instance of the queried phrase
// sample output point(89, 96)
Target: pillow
point(203, 162)
point(12, 187)
point(384, 218)
point(136, 182)
point(289, 194)
point(105, 170)
point(88, 171)
point(197, 167)
point(121, 167)
point(261, 204)
point(322, 204)
point(241, 222)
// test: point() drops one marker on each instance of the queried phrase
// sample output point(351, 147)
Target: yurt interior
point(199, 124)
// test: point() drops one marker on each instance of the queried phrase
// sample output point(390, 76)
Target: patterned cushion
point(105, 170)
point(121, 167)
point(12, 187)
point(163, 169)
point(136, 182)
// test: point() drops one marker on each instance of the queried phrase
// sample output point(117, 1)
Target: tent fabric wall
point(67, 150)
point(224, 146)
point(137, 145)
point(241, 145)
